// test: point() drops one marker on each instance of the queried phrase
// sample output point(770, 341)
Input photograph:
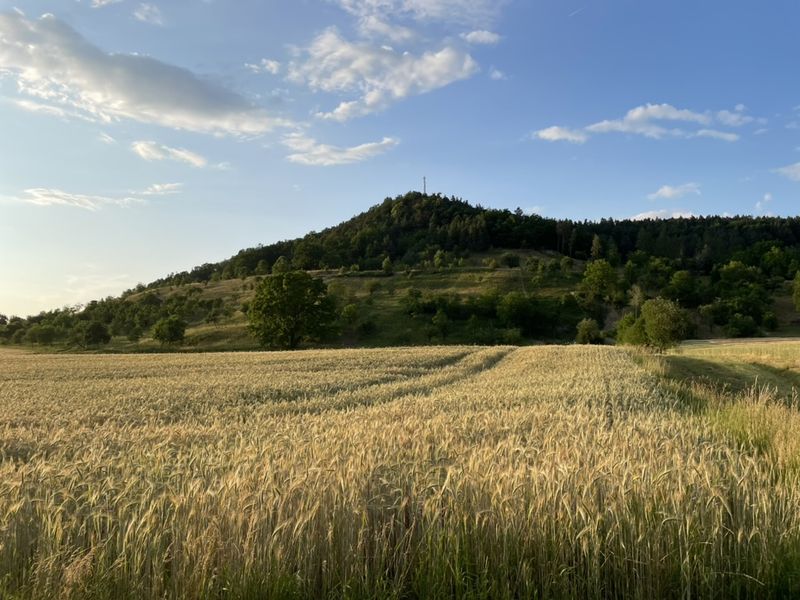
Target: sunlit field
point(542, 472)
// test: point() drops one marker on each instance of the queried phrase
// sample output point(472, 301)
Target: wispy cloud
point(481, 37)
point(308, 151)
point(725, 136)
point(379, 75)
point(663, 214)
point(102, 3)
point(497, 75)
point(790, 171)
point(163, 189)
point(466, 12)
point(561, 134)
point(657, 121)
point(149, 13)
point(149, 150)
point(762, 204)
point(677, 191)
point(265, 65)
point(56, 197)
point(91, 202)
point(52, 62)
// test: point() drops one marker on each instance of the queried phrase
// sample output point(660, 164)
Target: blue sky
point(142, 138)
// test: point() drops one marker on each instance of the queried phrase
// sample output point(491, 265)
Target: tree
point(588, 332)
point(171, 330)
point(637, 298)
point(387, 266)
point(796, 294)
point(441, 323)
point(290, 308)
point(91, 333)
point(599, 280)
point(597, 247)
point(665, 323)
point(281, 266)
point(3, 319)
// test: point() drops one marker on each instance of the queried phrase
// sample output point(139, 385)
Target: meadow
point(427, 472)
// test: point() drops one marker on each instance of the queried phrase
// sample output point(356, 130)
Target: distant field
point(428, 472)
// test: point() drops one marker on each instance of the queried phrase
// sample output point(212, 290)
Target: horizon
point(143, 138)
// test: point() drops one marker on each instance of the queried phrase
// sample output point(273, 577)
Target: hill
point(497, 276)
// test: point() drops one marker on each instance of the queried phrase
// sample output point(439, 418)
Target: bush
point(171, 330)
point(588, 332)
point(741, 326)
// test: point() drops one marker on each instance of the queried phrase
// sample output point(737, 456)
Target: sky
point(143, 138)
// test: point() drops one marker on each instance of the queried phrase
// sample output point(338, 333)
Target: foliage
point(665, 324)
point(796, 292)
point(599, 281)
point(588, 332)
point(290, 308)
point(91, 333)
point(171, 330)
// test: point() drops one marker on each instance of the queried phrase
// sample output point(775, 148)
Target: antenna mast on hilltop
point(425, 185)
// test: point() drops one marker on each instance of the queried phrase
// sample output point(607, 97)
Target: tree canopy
point(290, 308)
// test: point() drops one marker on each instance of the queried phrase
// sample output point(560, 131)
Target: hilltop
point(497, 276)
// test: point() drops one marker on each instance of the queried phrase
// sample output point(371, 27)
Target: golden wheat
point(413, 472)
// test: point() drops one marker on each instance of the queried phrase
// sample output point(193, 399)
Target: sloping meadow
point(542, 472)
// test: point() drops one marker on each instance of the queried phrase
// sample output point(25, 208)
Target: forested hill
point(411, 229)
point(423, 268)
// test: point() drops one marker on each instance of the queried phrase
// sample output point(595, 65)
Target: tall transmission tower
point(425, 185)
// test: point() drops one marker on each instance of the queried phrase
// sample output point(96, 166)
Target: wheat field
point(457, 472)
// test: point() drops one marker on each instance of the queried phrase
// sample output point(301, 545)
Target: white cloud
point(678, 191)
point(717, 135)
point(656, 121)
point(379, 75)
point(790, 171)
point(149, 13)
point(561, 134)
point(308, 151)
point(105, 138)
point(149, 150)
point(497, 75)
point(373, 26)
point(163, 189)
point(56, 197)
point(265, 65)
point(91, 202)
point(38, 107)
point(481, 36)
point(52, 62)
point(102, 3)
point(761, 205)
point(645, 120)
point(468, 12)
point(663, 214)
point(734, 119)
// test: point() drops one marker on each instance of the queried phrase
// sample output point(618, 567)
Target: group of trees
point(410, 230)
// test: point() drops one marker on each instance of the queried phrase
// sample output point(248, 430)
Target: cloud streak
point(153, 151)
point(52, 62)
point(655, 121)
point(679, 191)
point(308, 151)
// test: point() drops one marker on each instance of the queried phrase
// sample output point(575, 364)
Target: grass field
point(467, 472)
